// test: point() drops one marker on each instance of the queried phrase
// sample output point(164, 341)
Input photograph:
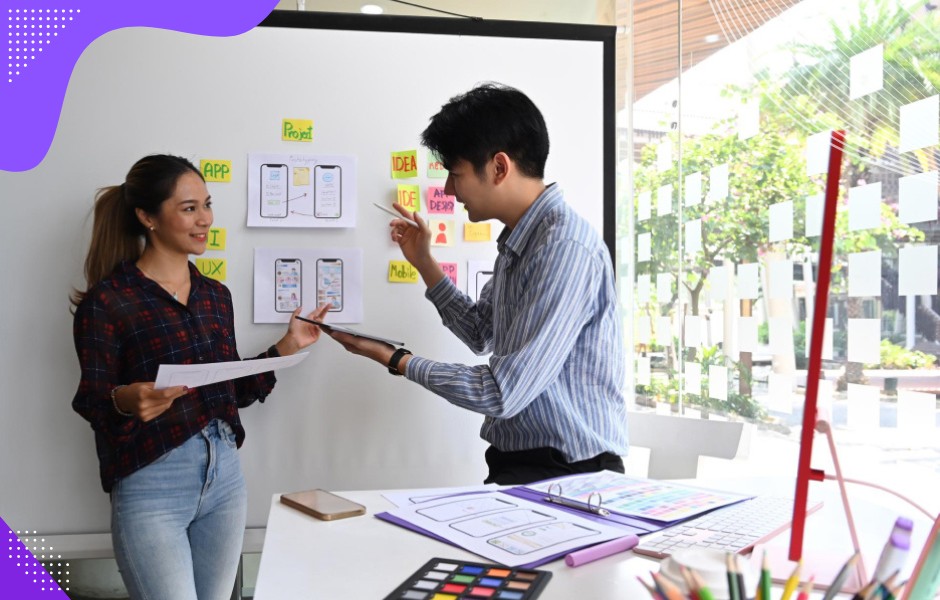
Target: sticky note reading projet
point(216, 239)
point(476, 232)
point(405, 164)
point(213, 268)
point(219, 171)
point(409, 196)
point(436, 168)
point(401, 271)
point(450, 269)
point(297, 130)
point(440, 203)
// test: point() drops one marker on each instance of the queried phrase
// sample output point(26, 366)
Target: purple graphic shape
point(31, 96)
point(21, 575)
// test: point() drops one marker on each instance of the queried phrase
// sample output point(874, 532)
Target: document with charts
point(505, 529)
point(644, 498)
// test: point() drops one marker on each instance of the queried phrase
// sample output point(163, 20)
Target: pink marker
point(581, 557)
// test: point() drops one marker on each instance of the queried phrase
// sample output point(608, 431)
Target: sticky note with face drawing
point(442, 232)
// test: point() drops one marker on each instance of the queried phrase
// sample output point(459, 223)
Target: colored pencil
point(649, 588)
point(733, 592)
point(670, 590)
point(806, 589)
point(866, 592)
point(742, 589)
point(689, 582)
point(764, 585)
point(836, 586)
point(703, 592)
point(793, 581)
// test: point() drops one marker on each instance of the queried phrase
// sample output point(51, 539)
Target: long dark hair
point(117, 234)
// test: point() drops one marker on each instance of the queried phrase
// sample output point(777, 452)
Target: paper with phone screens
point(204, 374)
point(327, 327)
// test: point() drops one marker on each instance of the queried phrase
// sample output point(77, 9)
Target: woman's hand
point(144, 402)
point(377, 351)
point(299, 333)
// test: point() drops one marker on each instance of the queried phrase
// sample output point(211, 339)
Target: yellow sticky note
point(297, 130)
point(301, 175)
point(405, 164)
point(216, 170)
point(401, 271)
point(476, 232)
point(216, 239)
point(213, 268)
point(442, 232)
point(409, 196)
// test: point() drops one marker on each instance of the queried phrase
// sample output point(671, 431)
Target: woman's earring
point(151, 228)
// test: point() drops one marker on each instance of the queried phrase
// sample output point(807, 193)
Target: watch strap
point(395, 359)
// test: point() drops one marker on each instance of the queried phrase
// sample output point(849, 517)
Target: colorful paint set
point(448, 579)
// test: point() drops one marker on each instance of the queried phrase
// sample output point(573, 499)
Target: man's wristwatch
point(395, 359)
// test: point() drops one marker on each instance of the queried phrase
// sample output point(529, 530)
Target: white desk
point(367, 558)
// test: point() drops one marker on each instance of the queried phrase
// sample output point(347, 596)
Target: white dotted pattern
point(48, 578)
point(29, 30)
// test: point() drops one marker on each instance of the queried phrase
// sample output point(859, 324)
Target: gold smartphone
point(323, 505)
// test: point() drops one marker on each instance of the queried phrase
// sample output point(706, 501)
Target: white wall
point(337, 421)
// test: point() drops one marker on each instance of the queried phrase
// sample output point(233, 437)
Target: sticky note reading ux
point(405, 164)
point(216, 170)
point(297, 130)
point(409, 196)
point(213, 268)
point(401, 271)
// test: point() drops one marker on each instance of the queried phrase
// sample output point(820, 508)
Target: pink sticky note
point(450, 269)
point(440, 203)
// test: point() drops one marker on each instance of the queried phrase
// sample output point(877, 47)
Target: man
point(552, 390)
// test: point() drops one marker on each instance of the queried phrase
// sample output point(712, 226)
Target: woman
point(167, 457)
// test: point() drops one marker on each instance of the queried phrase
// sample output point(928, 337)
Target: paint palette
point(447, 579)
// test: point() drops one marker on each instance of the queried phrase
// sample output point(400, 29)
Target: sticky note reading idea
point(405, 164)
point(216, 240)
point(476, 232)
point(213, 268)
point(436, 168)
point(297, 130)
point(216, 170)
point(409, 196)
point(401, 271)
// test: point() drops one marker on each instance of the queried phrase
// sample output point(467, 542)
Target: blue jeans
point(177, 524)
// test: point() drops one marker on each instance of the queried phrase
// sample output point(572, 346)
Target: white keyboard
point(734, 528)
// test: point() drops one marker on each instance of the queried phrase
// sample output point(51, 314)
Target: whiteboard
point(370, 85)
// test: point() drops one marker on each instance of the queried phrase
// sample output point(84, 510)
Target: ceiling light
point(371, 9)
point(709, 39)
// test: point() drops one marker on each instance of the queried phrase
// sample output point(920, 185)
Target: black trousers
point(526, 466)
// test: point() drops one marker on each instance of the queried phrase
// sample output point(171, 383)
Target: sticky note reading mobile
point(394, 214)
point(327, 328)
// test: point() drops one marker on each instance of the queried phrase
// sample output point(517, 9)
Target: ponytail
point(117, 234)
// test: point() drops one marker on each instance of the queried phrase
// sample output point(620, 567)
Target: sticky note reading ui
point(401, 271)
point(476, 232)
point(409, 196)
point(297, 130)
point(405, 164)
point(216, 239)
point(213, 268)
point(216, 170)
